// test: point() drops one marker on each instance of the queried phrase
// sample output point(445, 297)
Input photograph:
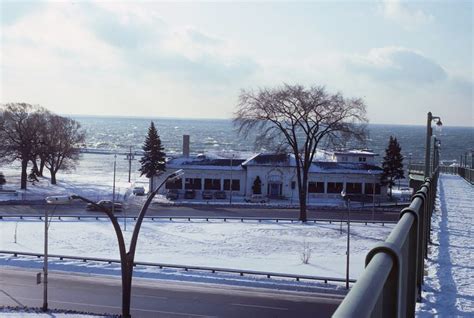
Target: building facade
point(353, 171)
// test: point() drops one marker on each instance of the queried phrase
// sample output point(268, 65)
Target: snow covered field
point(449, 284)
point(93, 178)
point(266, 246)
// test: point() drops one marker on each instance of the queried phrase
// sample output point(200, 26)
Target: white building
point(354, 171)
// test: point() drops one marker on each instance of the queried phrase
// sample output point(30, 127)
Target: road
point(204, 211)
point(102, 294)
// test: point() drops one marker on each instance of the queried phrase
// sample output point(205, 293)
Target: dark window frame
point(316, 187)
point(193, 184)
point(212, 184)
point(235, 184)
point(354, 187)
point(335, 187)
point(369, 188)
point(174, 184)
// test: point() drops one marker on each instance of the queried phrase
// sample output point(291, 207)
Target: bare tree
point(18, 125)
point(300, 119)
point(61, 139)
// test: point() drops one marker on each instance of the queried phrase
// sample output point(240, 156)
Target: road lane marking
point(150, 296)
point(260, 306)
point(12, 298)
point(119, 307)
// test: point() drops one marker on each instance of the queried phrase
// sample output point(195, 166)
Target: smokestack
point(186, 146)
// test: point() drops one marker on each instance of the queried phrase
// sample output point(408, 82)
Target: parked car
point(189, 194)
point(106, 204)
point(220, 195)
point(207, 195)
point(172, 194)
point(256, 198)
point(139, 190)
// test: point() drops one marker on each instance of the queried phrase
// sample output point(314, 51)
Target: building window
point(369, 189)
point(335, 187)
point(235, 184)
point(316, 187)
point(362, 159)
point(192, 184)
point(212, 184)
point(353, 188)
point(174, 184)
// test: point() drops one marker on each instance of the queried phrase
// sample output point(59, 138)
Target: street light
point(429, 133)
point(45, 258)
point(126, 258)
point(348, 202)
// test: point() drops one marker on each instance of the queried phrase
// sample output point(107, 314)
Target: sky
point(192, 59)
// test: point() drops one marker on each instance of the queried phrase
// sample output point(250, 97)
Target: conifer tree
point(257, 186)
point(153, 160)
point(392, 164)
point(2, 180)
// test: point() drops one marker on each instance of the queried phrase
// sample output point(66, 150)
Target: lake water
point(114, 133)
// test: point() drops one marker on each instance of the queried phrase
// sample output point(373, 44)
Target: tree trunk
point(53, 176)
point(35, 167)
point(41, 168)
point(24, 173)
point(303, 196)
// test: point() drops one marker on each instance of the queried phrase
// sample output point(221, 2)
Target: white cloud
point(398, 64)
point(398, 12)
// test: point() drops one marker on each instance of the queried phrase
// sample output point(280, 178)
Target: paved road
point(205, 211)
point(101, 294)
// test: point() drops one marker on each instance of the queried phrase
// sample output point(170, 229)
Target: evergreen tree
point(392, 164)
point(2, 180)
point(153, 160)
point(257, 186)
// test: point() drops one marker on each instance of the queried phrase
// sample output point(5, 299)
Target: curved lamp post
point(429, 133)
point(126, 258)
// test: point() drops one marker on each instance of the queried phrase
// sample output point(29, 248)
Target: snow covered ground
point(266, 246)
point(449, 284)
point(93, 178)
point(17, 313)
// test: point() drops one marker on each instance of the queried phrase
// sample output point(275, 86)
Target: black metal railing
point(199, 218)
point(391, 282)
point(465, 172)
point(240, 272)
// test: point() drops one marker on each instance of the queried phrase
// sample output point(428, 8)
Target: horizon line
point(223, 119)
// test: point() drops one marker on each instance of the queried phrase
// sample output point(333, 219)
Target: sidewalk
point(448, 289)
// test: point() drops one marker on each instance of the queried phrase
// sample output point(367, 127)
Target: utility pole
point(45, 259)
point(45, 264)
point(113, 187)
point(348, 240)
point(231, 181)
point(130, 157)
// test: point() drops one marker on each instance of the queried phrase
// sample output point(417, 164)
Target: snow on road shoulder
point(449, 286)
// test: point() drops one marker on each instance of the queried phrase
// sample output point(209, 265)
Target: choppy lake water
point(113, 133)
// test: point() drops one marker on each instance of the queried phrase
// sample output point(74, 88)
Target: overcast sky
point(189, 60)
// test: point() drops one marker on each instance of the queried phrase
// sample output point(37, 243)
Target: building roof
point(219, 162)
point(345, 167)
point(365, 152)
point(268, 159)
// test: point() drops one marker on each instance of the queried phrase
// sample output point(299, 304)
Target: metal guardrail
point(187, 267)
point(391, 282)
point(465, 172)
point(202, 218)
